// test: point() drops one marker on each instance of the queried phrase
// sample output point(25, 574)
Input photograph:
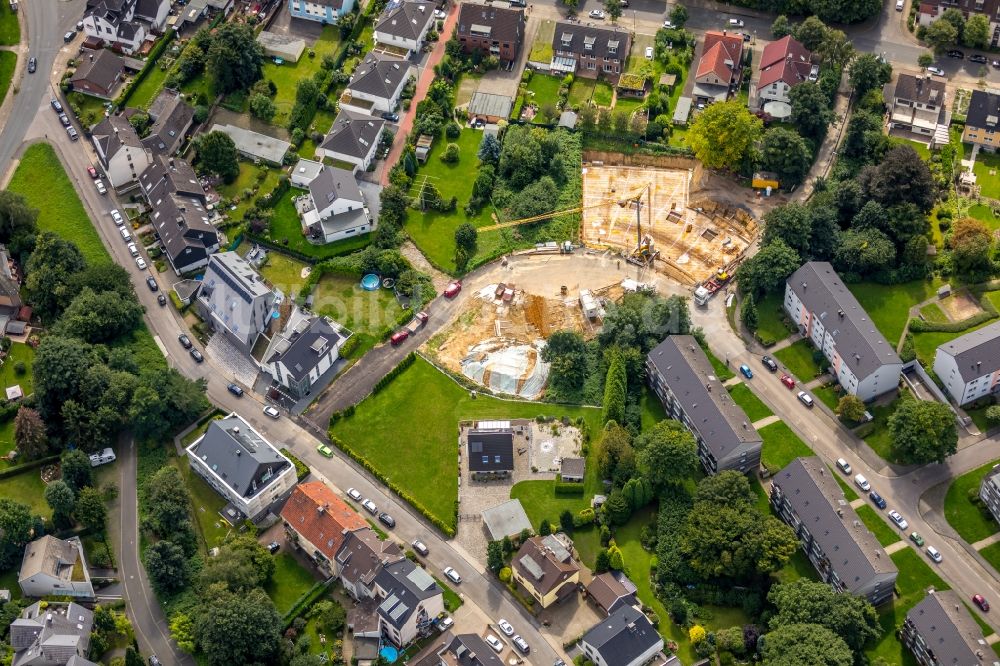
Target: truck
point(704, 292)
point(419, 321)
point(102, 457)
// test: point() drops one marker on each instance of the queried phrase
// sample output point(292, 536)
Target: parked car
point(452, 575)
point(272, 412)
point(354, 494)
point(506, 627)
point(99, 184)
point(447, 622)
point(102, 457)
point(64, 119)
point(806, 399)
point(898, 519)
point(955, 53)
point(325, 451)
point(668, 24)
point(788, 381)
point(769, 363)
point(196, 355)
point(235, 390)
point(161, 299)
point(399, 337)
point(649, 53)
point(184, 340)
point(861, 482)
point(843, 466)
point(153, 661)
point(492, 640)
point(995, 63)
point(438, 14)
point(980, 601)
point(370, 506)
point(390, 116)
point(386, 519)
point(73, 136)
point(746, 371)
point(521, 644)
point(32, 65)
point(151, 283)
point(934, 554)
point(879, 501)
point(936, 71)
point(56, 105)
point(917, 539)
point(68, 37)
point(978, 58)
point(273, 547)
point(141, 263)
point(419, 547)
point(92, 172)
point(735, 23)
point(451, 291)
point(596, 14)
point(117, 217)
point(132, 249)
point(899, 5)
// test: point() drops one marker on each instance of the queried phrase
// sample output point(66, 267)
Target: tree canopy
point(805, 645)
point(786, 153)
point(808, 602)
point(235, 57)
point(721, 136)
point(216, 153)
point(668, 453)
point(923, 431)
point(237, 628)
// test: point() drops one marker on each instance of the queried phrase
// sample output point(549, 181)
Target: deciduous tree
point(864, 251)
point(972, 249)
point(18, 226)
point(16, 525)
point(566, 354)
point(728, 488)
point(786, 153)
point(242, 564)
point(667, 454)
point(868, 72)
point(217, 154)
point(722, 135)
point(76, 470)
point(90, 509)
point(808, 602)
point(50, 271)
point(805, 645)
point(850, 408)
point(235, 58)
point(811, 112)
point(237, 629)
point(923, 431)
point(166, 565)
point(748, 313)
point(60, 499)
point(30, 437)
point(977, 32)
point(766, 271)
point(103, 317)
point(940, 35)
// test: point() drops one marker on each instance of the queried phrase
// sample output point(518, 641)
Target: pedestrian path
point(892, 548)
point(732, 381)
point(988, 541)
point(858, 503)
point(766, 421)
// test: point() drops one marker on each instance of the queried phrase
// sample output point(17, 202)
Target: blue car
point(875, 497)
point(746, 371)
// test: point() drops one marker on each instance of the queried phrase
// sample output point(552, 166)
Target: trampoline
point(389, 654)
point(370, 282)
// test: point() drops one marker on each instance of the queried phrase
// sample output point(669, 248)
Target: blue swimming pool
point(370, 282)
point(389, 653)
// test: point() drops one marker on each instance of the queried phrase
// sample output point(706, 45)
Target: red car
point(788, 381)
point(92, 172)
point(980, 601)
point(451, 291)
point(398, 337)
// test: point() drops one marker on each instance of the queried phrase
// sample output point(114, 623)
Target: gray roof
point(282, 45)
point(236, 274)
point(171, 119)
point(50, 636)
point(824, 294)
point(112, 133)
point(573, 467)
point(331, 184)
point(601, 40)
point(50, 556)
point(984, 109)
point(406, 585)
point(101, 70)
point(379, 75)
point(353, 134)
point(179, 214)
point(245, 461)
point(506, 519)
point(306, 170)
point(807, 484)
point(949, 630)
point(722, 424)
point(237, 295)
point(147, 9)
point(257, 145)
point(303, 343)
point(567, 119)
point(470, 650)
point(363, 553)
point(976, 353)
point(623, 636)
point(497, 446)
point(489, 104)
point(406, 20)
point(502, 24)
point(921, 89)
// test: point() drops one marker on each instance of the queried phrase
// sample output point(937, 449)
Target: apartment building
point(492, 30)
point(940, 630)
point(235, 300)
point(969, 366)
point(989, 491)
point(919, 107)
point(319, 521)
point(590, 51)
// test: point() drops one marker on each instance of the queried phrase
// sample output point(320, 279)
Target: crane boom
point(629, 197)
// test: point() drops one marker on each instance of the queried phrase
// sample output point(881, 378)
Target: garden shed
point(285, 47)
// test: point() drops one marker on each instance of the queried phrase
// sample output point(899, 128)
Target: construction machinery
point(704, 292)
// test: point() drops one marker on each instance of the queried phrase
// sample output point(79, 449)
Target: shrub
point(697, 634)
point(569, 490)
point(301, 469)
point(19, 368)
point(452, 130)
point(451, 154)
point(584, 517)
point(919, 325)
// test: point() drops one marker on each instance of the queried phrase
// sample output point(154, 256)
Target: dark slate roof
point(332, 184)
point(808, 486)
point(984, 109)
point(469, 650)
point(623, 636)
point(110, 10)
point(406, 585)
point(496, 447)
point(505, 24)
point(114, 132)
point(949, 630)
point(101, 70)
point(379, 75)
point(171, 119)
point(611, 590)
point(244, 460)
point(722, 424)
point(147, 8)
point(825, 295)
point(600, 39)
point(976, 353)
point(407, 20)
point(573, 467)
point(179, 215)
point(921, 89)
point(353, 134)
point(301, 348)
point(363, 554)
point(38, 640)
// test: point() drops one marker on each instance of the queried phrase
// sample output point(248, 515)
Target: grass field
point(10, 29)
point(603, 93)
point(879, 438)
point(27, 488)
point(286, 229)
point(366, 313)
point(8, 62)
point(150, 87)
point(427, 467)
point(205, 502)
point(988, 182)
point(6, 439)
point(540, 503)
point(771, 318)
point(889, 305)
point(40, 178)
point(926, 343)
point(652, 408)
point(991, 554)
point(781, 446)
point(581, 91)
point(290, 581)
point(873, 521)
point(751, 404)
point(798, 358)
point(971, 523)
point(985, 214)
point(8, 377)
point(722, 371)
point(288, 74)
point(932, 312)
point(247, 180)
point(829, 395)
point(848, 488)
point(541, 48)
point(545, 89)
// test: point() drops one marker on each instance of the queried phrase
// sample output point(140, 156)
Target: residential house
point(969, 365)
point(404, 25)
point(827, 313)
point(353, 138)
point(507, 519)
point(491, 30)
point(376, 85)
point(683, 378)
point(846, 555)
point(333, 207)
point(254, 145)
point(11, 306)
point(573, 469)
point(918, 108)
point(931, 10)
point(490, 447)
point(590, 51)
point(545, 569)
point(180, 215)
point(52, 634)
point(941, 630)
point(982, 121)
point(318, 521)
point(612, 590)
point(408, 601)
point(55, 567)
point(195, 10)
point(114, 23)
point(360, 559)
point(172, 119)
point(242, 466)
point(989, 491)
point(624, 638)
point(466, 650)
point(783, 65)
point(307, 347)
point(327, 12)
point(98, 74)
point(120, 151)
point(235, 301)
point(720, 67)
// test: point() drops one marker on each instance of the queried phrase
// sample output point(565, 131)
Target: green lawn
point(290, 581)
point(40, 178)
point(288, 74)
point(988, 182)
point(771, 318)
point(798, 358)
point(978, 416)
point(546, 89)
point(150, 87)
point(652, 408)
point(873, 521)
point(8, 377)
point(889, 305)
point(829, 395)
point(926, 344)
point(91, 109)
point(844, 485)
point(603, 93)
point(8, 62)
point(206, 504)
point(628, 104)
point(366, 313)
point(879, 437)
point(427, 466)
point(541, 48)
point(27, 488)
point(243, 191)
point(798, 567)
point(915, 575)
point(581, 91)
point(10, 29)
point(6, 438)
point(985, 214)
point(283, 272)
point(322, 122)
point(994, 298)
point(751, 404)
point(781, 446)
point(932, 312)
point(721, 369)
point(991, 554)
point(971, 523)
point(286, 229)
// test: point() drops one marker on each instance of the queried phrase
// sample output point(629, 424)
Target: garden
point(963, 509)
point(368, 314)
point(889, 305)
point(10, 29)
point(780, 446)
point(798, 358)
point(772, 321)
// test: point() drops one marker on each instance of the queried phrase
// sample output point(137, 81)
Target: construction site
point(654, 213)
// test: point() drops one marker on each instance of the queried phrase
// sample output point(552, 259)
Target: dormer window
point(612, 47)
point(567, 39)
point(588, 43)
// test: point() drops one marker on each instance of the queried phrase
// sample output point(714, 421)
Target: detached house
point(612, 590)
point(918, 107)
point(408, 601)
point(720, 67)
point(783, 65)
point(590, 51)
point(466, 650)
point(940, 630)
point(495, 31)
point(360, 559)
point(376, 85)
point(303, 352)
point(124, 24)
point(545, 569)
point(172, 119)
point(235, 300)
point(982, 122)
point(98, 74)
point(624, 638)
point(121, 152)
point(53, 634)
point(352, 138)
point(826, 312)
point(242, 466)
point(318, 521)
point(491, 449)
point(404, 25)
point(327, 12)
point(333, 207)
point(55, 567)
point(969, 366)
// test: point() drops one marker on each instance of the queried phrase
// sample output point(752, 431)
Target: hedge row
point(301, 469)
point(151, 60)
point(448, 530)
point(303, 603)
point(567, 489)
point(921, 326)
point(392, 374)
point(365, 239)
point(17, 469)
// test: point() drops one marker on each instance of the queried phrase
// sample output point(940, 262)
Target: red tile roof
point(784, 60)
point(318, 515)
point(720, 47)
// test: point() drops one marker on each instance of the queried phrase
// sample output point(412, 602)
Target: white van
point(126, 236)
point(899, 5)
point(102, 457)
point(861, 482)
